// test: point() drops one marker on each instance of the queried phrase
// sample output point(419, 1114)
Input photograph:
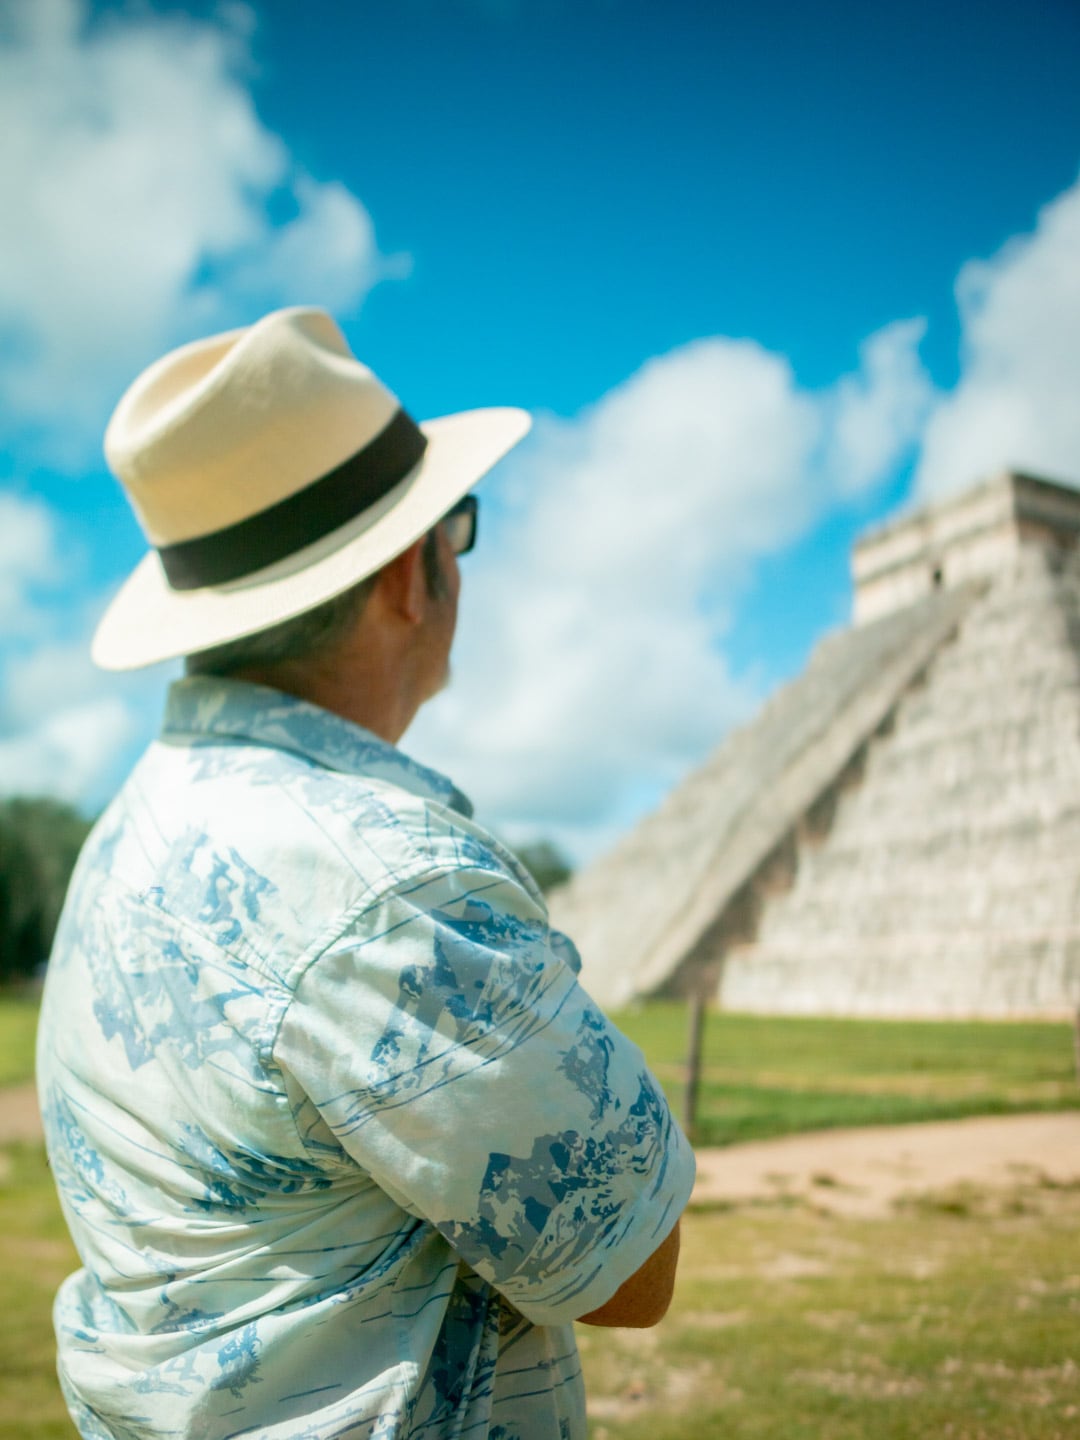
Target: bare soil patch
point(19, 1116)
point(868, 1170)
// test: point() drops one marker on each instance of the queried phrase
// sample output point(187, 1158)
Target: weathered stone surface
point(640, 912)
point(897, 831)
point(972, 536)
point(949, 881)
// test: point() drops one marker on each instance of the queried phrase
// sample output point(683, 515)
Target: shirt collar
point(201, 707)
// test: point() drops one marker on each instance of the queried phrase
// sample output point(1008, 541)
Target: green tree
point(545, 862)
point(40, 840)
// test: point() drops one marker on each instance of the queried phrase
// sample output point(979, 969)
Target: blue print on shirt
point(231, 879)
point(83, 1177)
point(562, 1191)
point(238, 1179)
point(238, 1362)
point(467, 1348)
point(483, 966)
point(586, 1064)
point(160, 1000)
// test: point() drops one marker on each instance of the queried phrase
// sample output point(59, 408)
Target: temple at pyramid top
point(897, 831)
point(970, 536)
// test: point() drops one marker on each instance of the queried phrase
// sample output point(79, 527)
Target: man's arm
point(642, 1300)
point(470, 1076)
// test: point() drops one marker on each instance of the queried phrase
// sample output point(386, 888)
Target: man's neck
point(368, 690)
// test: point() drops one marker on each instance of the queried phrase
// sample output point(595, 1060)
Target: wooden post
point(695, 1032)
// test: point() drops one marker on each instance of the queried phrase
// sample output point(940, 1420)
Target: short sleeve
point(446, 1041)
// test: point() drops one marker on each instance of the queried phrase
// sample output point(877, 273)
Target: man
point(343, 1144)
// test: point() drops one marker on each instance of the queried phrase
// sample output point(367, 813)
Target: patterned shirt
point(343, 1144)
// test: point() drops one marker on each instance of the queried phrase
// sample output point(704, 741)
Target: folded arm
point(642, 1300)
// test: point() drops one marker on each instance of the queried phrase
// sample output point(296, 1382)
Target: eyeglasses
point(459, 522)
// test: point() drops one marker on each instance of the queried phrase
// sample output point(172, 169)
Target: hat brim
point(148, 621)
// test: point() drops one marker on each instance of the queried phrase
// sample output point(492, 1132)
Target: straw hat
point(271, 470)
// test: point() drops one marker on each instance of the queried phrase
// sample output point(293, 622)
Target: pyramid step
point(917, 974)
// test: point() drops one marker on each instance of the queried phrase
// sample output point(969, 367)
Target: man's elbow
point(641, 1315)
point(643, 1300)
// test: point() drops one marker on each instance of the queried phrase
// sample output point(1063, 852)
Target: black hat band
point(300, 519)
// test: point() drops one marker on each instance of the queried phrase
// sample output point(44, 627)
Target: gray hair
point(315, 632)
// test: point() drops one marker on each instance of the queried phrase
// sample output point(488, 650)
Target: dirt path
point(852, 1172)
point(19, 1118)
point(864, 1171)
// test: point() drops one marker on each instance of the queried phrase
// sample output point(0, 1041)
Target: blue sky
point(764, 275)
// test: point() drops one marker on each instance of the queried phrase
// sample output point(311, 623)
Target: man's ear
point(402, 584)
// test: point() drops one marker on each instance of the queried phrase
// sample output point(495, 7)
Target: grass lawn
point(956, 1317)
point(18, 1024)
point(35, 1255)
point(774, 1075)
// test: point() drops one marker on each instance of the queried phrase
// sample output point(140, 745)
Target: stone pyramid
point(898, 831)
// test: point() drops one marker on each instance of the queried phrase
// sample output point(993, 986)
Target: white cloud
point(877, 412)
point(1015, 405)
point(137, 178)
point(592, 667)
point(66, 728)
point(330, 242)
point(48, 679)
point(69, 754)
point(141, 195)
point(28, 557)
point(590, 672)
